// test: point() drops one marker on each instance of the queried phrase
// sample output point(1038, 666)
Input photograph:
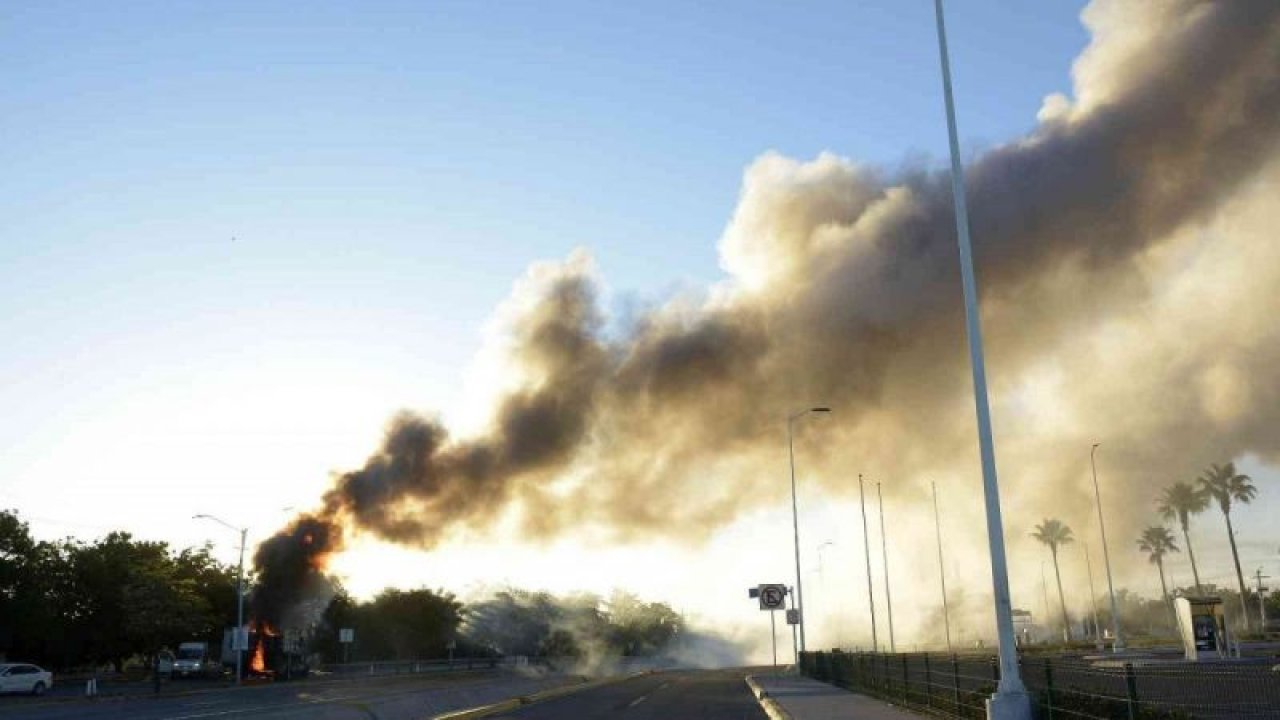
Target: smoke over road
point(1125, 250)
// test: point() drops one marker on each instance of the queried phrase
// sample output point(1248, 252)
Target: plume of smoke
point(291, 581)
point(843, 289)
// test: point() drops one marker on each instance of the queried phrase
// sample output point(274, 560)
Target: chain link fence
point(1066, 688)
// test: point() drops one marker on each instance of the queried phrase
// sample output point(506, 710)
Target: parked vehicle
point(24, 678)
point(195, 659)
point(164, 663)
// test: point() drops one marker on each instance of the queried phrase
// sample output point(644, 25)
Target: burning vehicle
point(270, 654)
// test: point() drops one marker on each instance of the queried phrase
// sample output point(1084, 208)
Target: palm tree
point(1224, 484)
point(1054, 533)
point(1156, 541)
point(1180, 501)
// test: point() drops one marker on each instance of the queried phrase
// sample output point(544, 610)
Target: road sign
point(346, 635)
point(773, 596)
point(793, 617)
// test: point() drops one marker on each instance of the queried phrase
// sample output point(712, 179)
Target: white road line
point(278, 706)
point(638, 700)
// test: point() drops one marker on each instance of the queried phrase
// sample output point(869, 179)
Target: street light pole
point(866, 546)
point(884, 550)
point(1118, 645)
point(1011, 701)
point(1093, 597)
point(795, 520)
point(942, 573)
point(235, 636)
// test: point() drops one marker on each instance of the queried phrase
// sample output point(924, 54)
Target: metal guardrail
point(1066, 688)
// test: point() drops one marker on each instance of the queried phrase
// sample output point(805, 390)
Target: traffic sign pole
point(773, 633)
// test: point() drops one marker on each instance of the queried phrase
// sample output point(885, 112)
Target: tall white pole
point(795, 520)
point(1010, 701)
point(884, 549)
point(1093, 597)
point(942, 573)
point(866, 546)
point(795, 527)
point(1118, 645)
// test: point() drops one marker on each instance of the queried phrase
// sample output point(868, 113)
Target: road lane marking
point(278, 706)
point(637, 701)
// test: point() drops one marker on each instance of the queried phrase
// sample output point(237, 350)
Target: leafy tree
point(338, 614)
point(215, 585)
point(1224, 484)
point(640, 628)
point(1156, 541)
point(1054, 533)
point(512, 622)
point(408, 624)
point(1180, 501)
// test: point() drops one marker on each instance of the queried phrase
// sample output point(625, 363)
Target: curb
point(485, 711)
point(770, 706)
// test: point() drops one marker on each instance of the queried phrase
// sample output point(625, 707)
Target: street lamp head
point(820, 409)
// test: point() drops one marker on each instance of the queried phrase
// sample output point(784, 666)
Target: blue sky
point(235, 237)
point(394, 166)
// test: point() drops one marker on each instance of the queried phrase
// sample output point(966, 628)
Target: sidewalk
point(790, 697)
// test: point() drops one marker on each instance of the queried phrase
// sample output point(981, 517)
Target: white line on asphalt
point(279, 706)
point(637, 701)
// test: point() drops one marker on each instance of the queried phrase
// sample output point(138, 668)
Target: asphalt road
point(702, 694)
point(404, 697)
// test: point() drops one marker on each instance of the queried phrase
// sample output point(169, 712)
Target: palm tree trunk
point(1186, 536)
point(1066, 627)
point(1231, 535)
point(1164, 591)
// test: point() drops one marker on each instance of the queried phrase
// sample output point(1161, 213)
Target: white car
point(24, 678)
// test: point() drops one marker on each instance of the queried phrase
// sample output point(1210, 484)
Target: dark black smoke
point(290, 568)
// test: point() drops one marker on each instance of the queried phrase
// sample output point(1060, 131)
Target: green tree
point(29, 574)
point(215, 585)
point(409, 624)
point(1224, 484)
point(641, 628)
point(1054, 533)
point(1156, 541)
point(1180, 501)
point(338, 614)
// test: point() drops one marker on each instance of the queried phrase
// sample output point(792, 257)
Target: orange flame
point(259, 662)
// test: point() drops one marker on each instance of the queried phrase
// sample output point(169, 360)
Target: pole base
point(1009, 706)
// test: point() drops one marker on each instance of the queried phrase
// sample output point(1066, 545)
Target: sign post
point(346, 636)
point(773, 596)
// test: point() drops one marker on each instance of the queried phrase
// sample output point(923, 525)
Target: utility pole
point(866, 545)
